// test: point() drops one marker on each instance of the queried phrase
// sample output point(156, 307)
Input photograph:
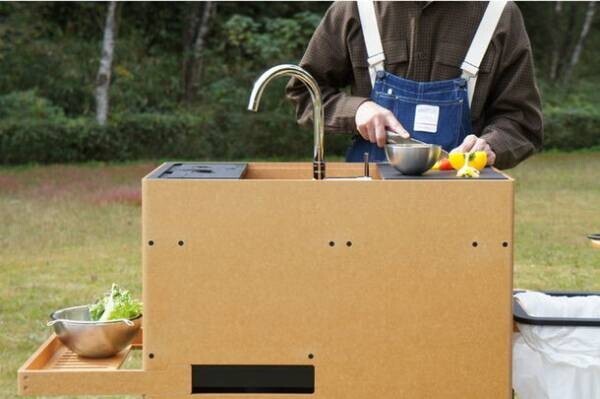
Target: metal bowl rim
point(90, 322)
point(413, 145)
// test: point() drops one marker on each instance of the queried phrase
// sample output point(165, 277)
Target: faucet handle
point(366, 161)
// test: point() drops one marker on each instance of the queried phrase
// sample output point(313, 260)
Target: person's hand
point(472, 143)
point(373, 120)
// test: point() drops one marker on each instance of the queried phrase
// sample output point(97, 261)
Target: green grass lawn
point(68, 232)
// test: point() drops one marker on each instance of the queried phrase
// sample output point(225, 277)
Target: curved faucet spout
point(317, 104)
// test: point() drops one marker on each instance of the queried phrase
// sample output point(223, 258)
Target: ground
point(69, 231)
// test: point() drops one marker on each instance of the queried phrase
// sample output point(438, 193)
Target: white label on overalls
point(426, 118)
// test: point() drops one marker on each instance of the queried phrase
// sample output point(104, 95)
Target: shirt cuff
point(498, 144)
point(346, 112)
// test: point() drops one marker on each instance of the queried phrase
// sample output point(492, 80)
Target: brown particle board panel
point(397, 288)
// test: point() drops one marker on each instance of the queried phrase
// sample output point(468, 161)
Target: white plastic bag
point(557, 362)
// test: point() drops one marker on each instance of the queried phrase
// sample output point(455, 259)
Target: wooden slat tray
point(55, 370)
point(53, 355)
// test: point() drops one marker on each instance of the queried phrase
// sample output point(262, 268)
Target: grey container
point(412, 159)
point(87, 338)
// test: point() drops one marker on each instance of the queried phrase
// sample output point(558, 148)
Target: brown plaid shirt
point(427, 41)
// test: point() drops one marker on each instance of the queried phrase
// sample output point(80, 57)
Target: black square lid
point(201, 170)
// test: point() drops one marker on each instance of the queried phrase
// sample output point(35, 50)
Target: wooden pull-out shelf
point(53, 355)
point(55, 370)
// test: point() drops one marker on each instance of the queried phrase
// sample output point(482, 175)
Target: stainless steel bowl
point(412, 159)
point(93, 338)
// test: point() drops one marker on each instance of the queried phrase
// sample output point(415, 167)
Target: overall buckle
point(376, 60)
point(468, 70)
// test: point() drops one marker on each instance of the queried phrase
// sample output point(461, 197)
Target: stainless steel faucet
point(317, 104)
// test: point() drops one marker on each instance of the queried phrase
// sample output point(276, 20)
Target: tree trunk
point(189, 34)
point(555, 42)
point(568, 38)
point(194, 71)
point(106, 59)
point(585, 30)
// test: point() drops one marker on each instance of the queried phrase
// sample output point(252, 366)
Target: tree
point(555, 42)
point(106, 59)
point(585, 29)
point(194, 42)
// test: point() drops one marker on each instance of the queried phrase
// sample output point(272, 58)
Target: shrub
point(32, 129)
point(82, 139)
point(215, 134)
point(571, 128)
point(22, 105)
point(152, 136)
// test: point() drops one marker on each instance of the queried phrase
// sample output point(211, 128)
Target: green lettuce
point(117, 304)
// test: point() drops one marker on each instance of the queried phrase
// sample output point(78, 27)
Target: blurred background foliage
point(50, 52)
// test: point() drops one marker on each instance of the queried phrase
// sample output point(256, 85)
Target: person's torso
point(426, 42)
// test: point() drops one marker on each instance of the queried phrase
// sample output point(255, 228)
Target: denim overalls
point(447, 102)
point(435, 112)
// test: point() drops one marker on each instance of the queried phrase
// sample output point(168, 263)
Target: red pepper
point(444, 164)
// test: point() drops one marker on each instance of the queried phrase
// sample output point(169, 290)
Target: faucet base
point(319, 170)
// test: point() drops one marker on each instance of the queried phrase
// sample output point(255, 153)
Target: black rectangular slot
point(253, 379)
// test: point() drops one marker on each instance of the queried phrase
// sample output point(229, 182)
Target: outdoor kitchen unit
point(264, 280)
point(272, 280)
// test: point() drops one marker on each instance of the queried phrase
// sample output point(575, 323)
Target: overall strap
point(370, 30)
point(480, 43)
